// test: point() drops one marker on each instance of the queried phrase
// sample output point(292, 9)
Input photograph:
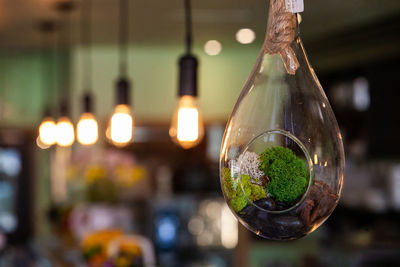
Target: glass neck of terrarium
point(282, 31)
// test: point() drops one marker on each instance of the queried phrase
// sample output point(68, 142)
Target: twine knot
point(280, 34)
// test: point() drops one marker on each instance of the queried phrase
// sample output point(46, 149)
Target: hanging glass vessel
point(282, 159)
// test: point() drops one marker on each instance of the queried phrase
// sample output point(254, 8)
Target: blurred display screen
point(166, 225)
point(10, 168)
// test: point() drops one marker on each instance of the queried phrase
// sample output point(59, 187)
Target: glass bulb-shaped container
point(187, 129)
point(282, 159)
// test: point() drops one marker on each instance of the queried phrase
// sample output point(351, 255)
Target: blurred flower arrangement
point(126, 253)
point(103, 176)
point(94, 246)
point(97, 253)
point(100, 182)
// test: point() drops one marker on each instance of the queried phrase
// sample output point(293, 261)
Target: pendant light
point(282, 158)
point(65, 134)
point(187, 128)
point(47, 128)
point(121, 124)
point(87, 129)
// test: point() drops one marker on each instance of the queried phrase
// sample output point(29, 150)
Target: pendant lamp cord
point(65, 39)
point(54, 65)
point(47, 29)
point(86, 36)
point(188, 24)
point(123, 36)
point(60, 85)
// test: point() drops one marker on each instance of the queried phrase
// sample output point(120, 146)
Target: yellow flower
point(129, 176)
point(72, 172)
point(139, 172)
point(123, 262)
point(94, 173)
point(100, 238)
point(129, 247)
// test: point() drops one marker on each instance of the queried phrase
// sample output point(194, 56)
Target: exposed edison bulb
point(65, 135)
point(120, 130)
point(187, 128)
point(47, 131)
point(87, 129)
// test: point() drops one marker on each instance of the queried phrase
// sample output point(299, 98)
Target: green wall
point(27, 82)
point(154, 73)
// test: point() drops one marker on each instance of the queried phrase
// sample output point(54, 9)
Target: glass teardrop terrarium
point(282, 159)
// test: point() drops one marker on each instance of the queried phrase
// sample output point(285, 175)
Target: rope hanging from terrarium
point(281, 32)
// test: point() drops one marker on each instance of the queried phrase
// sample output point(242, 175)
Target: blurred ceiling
point(156, 22)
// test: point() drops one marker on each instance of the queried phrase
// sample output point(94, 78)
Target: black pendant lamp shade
point(64, 108)
point(47, 112)
point(87, 103)
point(123, 92)
point(188, 75)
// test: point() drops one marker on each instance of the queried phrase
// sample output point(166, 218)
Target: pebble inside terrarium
point(270, 186)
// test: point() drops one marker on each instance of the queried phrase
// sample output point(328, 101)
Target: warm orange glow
point(40, 144)
point(47, 132)
point(120, 130)
point(65, 135)
point(187, 128)
point(87, 129)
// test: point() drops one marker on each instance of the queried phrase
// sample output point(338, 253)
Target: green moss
point(233, 190)
point(287, 173)
point(238, 203)
point(228, 185)
point(253, 191)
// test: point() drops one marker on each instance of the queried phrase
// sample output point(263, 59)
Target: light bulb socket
point(64, 108)
point(47, 112)
point(87, 103)
point(65, 6)
point(188, 75)
point(123, 92)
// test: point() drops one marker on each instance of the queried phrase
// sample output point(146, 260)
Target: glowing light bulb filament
point(47, 132)
point(65, 132)
point(188, 124)
point(87, 129)
point(187, 128)
point(121, 125)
